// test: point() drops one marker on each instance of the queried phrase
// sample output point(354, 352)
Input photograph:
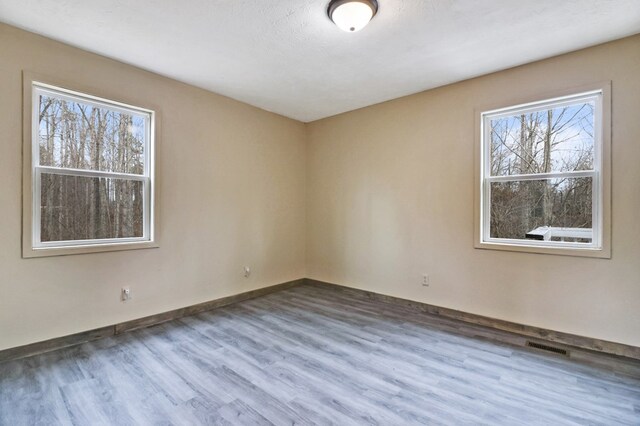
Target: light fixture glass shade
point(352, 15)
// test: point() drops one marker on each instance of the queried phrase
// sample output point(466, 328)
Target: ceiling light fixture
point(352, 15)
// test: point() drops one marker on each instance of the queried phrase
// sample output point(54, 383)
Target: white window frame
point(600, 174)
point(32, 244)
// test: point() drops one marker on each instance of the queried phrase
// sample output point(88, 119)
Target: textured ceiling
point(286, 56)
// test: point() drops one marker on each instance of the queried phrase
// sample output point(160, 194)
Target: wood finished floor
point(310, 355)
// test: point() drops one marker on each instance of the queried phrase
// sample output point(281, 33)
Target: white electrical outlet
point(125, 294)
point(247, 271)
point(425, 280)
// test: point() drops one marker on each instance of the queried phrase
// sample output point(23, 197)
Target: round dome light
point(352, 15)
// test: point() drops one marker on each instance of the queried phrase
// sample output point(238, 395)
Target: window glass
point(91, 171)
point(555, 139)
point(520, 208)
point(80, 135)
point(541, 173)
point(89, 208)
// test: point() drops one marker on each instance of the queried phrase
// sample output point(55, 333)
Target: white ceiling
point(287, 57)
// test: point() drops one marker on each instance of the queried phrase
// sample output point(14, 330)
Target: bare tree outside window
point(540, 171)
point(92, 176)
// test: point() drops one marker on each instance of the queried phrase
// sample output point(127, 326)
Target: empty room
point(319, 212)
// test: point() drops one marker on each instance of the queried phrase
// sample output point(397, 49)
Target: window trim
point(33, 85)
point(601, 245)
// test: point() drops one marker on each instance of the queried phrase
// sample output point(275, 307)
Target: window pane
point(538, 209)
point(82, 136)
point(557, 139)
point(85, 208)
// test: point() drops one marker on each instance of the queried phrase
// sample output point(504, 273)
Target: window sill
point(29, 252)
point(602, 253)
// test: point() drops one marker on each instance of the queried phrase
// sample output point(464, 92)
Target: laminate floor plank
point(315, 355)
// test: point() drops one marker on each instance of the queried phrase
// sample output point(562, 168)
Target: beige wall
point(390, 196)
point(233, 194)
